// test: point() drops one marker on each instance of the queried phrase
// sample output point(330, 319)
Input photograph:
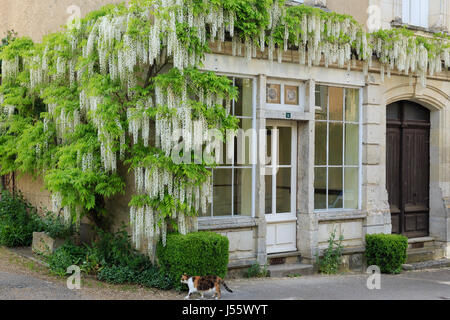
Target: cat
point(207, 284)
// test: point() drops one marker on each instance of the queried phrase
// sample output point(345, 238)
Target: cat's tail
point(226, 287)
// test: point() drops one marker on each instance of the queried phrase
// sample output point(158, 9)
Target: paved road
point(25, 287)
point(418, 285)
point(423, 285)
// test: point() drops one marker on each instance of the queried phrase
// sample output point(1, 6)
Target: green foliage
point(197, 254)
point(257, 271)
point(331, 260)
point(387, 251)
point(112, 259)
point(17, 221)
point(117, 274)
point(65, 256)
point(54, 226)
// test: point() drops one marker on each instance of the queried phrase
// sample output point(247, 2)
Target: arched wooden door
point(408, 167)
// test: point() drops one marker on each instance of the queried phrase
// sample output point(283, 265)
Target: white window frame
point(233, 167)
point(327, 166)
point(274, 166)
point(415, 13)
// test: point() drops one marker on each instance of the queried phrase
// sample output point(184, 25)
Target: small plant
point(54, 226)
point(387, 251)
point(64, 257)
point(257, 271)
point(330, 261)
point(17, 221)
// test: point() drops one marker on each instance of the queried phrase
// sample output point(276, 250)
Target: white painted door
point(281, 186)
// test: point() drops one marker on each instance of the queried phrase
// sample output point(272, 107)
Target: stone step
point(286, 270)
point(433, 264)
point(424, 254)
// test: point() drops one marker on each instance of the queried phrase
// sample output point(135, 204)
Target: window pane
point(320, 188)
point(222, 192)
point(268, 193)
point(268, 161)
point(243, 143)
point(321, 144)
point(244, 105)
point(336, 144)
point(322, 102)
point(351, 188)
point(335, 188)
point(351, 144)
point(242, 192)
point(284, 190)
point(352, 105)
point(285, 145)
point(336, 103)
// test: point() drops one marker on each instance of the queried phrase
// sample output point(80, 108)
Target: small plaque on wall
point(274, 93)
point(291, 95)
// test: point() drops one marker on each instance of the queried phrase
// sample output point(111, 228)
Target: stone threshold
point(283, 255)
point(420, 239)
point(433, 264)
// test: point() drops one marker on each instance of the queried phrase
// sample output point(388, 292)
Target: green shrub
point(387, 251)
point(117, 274)
point(64, 257)
point(153, 277)
point(17, 221)
point(197, 254)
point(332, 256)
point(257, 271)
point(115, 249)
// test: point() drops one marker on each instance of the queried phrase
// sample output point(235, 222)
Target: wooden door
point(408, 167)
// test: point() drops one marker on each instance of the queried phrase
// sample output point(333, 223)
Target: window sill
point(225, 223)
point(340, 215)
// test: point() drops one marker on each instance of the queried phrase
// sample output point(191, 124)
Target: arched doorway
point(408, 167)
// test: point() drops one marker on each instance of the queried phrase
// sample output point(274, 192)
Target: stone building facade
point(336, 132)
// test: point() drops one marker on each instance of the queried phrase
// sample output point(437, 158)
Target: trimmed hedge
point(387, 251)
point(197, 254)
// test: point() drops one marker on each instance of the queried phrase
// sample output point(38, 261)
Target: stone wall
point(36, 18)
point(34, 191)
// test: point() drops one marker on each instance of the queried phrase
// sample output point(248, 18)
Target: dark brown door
point(408, 167)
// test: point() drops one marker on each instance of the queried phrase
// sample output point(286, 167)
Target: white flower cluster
point(408, 57)
point(139, 121)
point(87, 162)
point(56, 202)
point(10, 68)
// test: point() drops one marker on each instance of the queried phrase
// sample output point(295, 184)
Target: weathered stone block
point(356, 262)
point(371, 154)
point(44, 244)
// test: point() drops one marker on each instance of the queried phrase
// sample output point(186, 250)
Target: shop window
point(233, 180)
point(337, 148)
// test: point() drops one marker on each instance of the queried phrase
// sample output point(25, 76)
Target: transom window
point(337, 148)
point(233, 180)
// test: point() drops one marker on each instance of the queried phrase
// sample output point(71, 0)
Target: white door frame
point(286, 220)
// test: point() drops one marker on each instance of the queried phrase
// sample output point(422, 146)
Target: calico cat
point(208, 284)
